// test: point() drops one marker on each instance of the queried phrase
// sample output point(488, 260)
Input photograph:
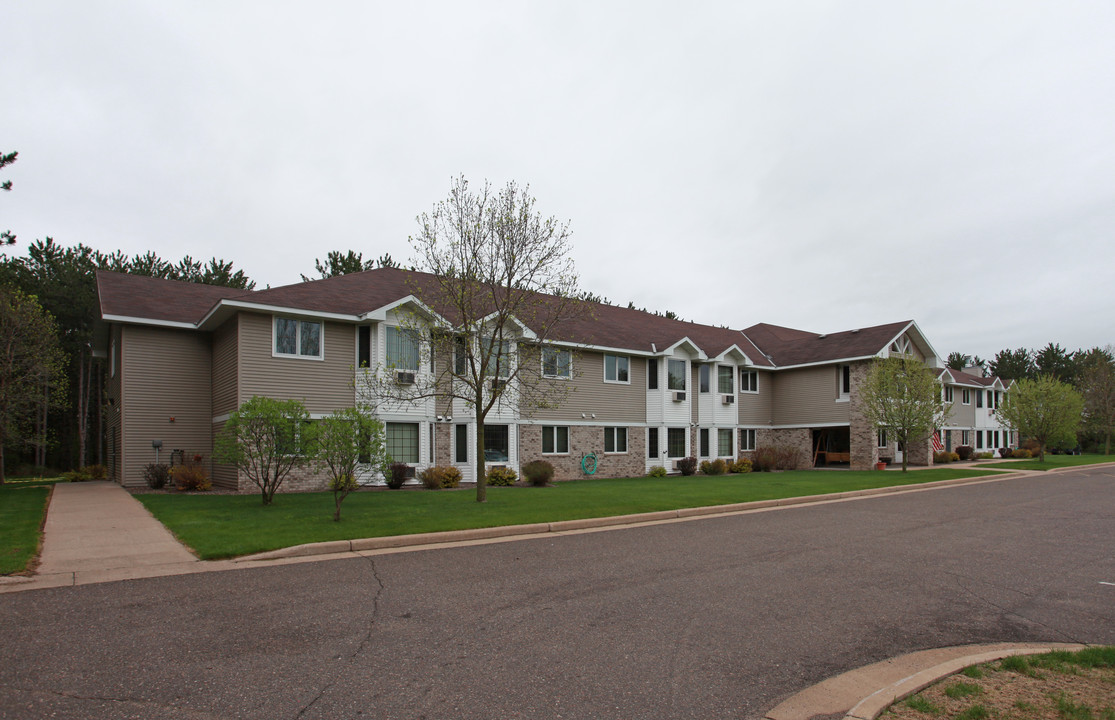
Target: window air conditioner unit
point(498, 383)
point(729, 399)
point(679, 396)
point(404, 378)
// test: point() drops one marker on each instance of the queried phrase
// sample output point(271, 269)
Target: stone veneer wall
point(863, 436)
point(300, 479)
point(801, 439)
point(921, 453)
point(585, 439)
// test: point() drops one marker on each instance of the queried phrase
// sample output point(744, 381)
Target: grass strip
point(1052, 462)
point(22, 509)
point(220, 526)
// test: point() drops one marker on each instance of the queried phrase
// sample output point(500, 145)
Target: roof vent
point(856, 330)
point(822, 336)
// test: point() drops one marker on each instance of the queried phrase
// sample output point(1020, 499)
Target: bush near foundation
point(397, 475)
point(657, 471)
point(743, 465)
point(440, 476)
point(502, 477)
point(1005, 452)
point(687, 466)
point(714, 467)
point(538, 472)
point(191, 476)
point(1023, 453)
point(774, 457)
point(945, 457)
point(965, 452)
point(156, 475)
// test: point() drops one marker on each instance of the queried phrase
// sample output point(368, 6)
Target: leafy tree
point(6, 237)
point(501, 282)
point(348, 437)
point(351, 262)
point(1045, 409)
point(901, 395)
point(265, 439)
point(1013, 364)
point(31, 369)
point(1097, 384)
point(1056, 361)
point(959, 361)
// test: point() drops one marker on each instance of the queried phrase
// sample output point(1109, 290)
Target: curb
point(333, 547)
point(864, 693)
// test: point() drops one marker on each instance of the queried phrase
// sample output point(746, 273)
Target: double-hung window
point(746, 440)
point(617, 369)
point(948, 394)
point(402, 348)
point(748, 381)
point(297, 338)
point(675, 371)
point(724, 443)
point(882, 443)
point(615, 439)
point(966, 396)
point(724, 379)
point(498, 353)
point(557, 363)
point(844, 381)
point(555, 440)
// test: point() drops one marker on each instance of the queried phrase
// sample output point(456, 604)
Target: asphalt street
point(712, 618)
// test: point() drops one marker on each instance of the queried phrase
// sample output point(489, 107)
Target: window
point(989, 439)
point(979, 440)
point(557, 363)
point(845, 380)
point(615, 440)
point(555, 440)
point(746, 440)
point(703, 377)
point(965, 438)
point(724, 379)
point(902, 346)
point(497, 445)
point(998, 396)
point(979, 398)
point(996, 439)
point(675, 442)
point(748, 381)
point(616, 369)
point(882, 438)
point(724, 443)
point(460, 356)
point(402, 348)
point(499, 358)
point(652, 443)
point(652, 373)
point(402, 442)
point(460, 451)
point(704, 441)
point(364, 346)
point(966, 396)
point(948, 395)
point(675, 371)
point(297, 338)
point(112, 358)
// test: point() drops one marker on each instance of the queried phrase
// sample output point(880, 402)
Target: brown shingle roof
point(787, 346)
point(137, 296)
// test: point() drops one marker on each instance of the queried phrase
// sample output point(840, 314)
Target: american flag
point(938, 446)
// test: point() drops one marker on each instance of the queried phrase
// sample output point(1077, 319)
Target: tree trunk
point(337, 497)
point(481, 478)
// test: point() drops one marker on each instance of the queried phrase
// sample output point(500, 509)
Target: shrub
point(75, 476)
point(774, 457)
point(719, 467)
point(538, 472)
point(1022, 453)
point(657, 471)
point(501, 476)
point(95, 472)
point(397, 475)
point(743, 465)
point(1005, 452)
point(191, 476)
point(942, 457)
point(687, 466)
point(953, 457)
point(964, 452)
point(156, 475)
point(985, 455)
point(706, 467)
point(1032, 445)
point(440, 476)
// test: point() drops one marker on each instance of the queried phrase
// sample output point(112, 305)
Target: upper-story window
point(703, 378)
point(979, 398)
point(948, 394)
point(617, 369)
point(557, 363)
point(675, 371)
point(844, 380)
point(652, 373)
point(724, 375)
point(402, 348)
point(498, 353)
point(966, 396)
point(748, 381)
point(297, 338)
point(460, 356)
point(902, 346)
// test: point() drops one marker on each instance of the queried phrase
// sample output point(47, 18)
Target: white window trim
point(881, 440)
point(553, 430)
point(744, 434)
point(751, 373)
point(731, 442)
point(684, 375)
point(568, 364)
point(297, 340)
point(614, 433)
point(618, 358)
point(965, 396)
point(731, 379)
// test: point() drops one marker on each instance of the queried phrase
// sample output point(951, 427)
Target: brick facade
point(585, 439)
point(801, 439)
point(863, 436)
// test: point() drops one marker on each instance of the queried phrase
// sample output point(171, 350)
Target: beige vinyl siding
point(224, 476)
point(962, 415)
point(588, 393)
point(808, 396)
point(225, 376)
point(165, 374)
point(324, 385)
point(755, 408)
point(112, 409)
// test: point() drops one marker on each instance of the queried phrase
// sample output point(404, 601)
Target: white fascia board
point(380, 314)
point(276, 310)
point(124, 319)
point(525, 333)
point(683, 342)
point(733, 350)
point(926, 345)
point(837, 361)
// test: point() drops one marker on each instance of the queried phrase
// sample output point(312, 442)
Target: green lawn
point(219, 526)
point(1051, 462)
point(22, 508)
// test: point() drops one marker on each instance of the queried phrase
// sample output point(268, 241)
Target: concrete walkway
point(100, 527)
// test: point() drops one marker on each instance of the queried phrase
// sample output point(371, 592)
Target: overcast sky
point(820, 165)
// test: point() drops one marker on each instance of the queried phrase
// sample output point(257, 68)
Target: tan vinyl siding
point(962, 415)
point(612, 402)
point(808, 396)
point(225, 367)
point(224, 476)
point(112, 409)
point(324, 385)
point(165, 374)
point(755, 408)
